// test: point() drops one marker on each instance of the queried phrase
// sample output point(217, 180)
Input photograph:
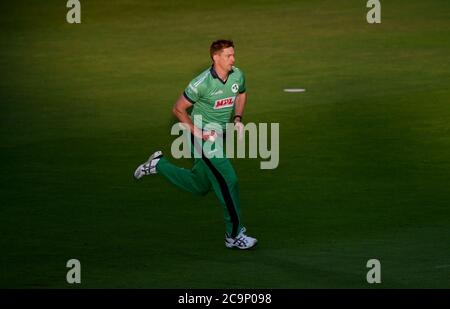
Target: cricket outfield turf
point(364, 167)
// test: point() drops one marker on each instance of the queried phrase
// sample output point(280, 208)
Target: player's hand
point(209, 136)
point(239, 127)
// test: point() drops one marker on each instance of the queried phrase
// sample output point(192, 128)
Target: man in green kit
point(216, 95)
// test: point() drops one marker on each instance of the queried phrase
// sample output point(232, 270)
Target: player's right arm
point(180, 111)
point(189, 97)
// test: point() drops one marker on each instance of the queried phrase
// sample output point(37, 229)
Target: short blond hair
point(218, 45)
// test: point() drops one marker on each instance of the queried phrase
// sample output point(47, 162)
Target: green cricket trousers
point(207, 172)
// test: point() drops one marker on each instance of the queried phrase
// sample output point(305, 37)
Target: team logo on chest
point(235, 88)
point(223, 103)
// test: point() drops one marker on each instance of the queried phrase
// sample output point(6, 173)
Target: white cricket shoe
point(148, 167)
point(241, 241)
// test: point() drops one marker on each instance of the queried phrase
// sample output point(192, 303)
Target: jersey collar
point(214, 74)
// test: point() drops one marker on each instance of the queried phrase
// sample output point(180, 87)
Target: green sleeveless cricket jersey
point(214, 99)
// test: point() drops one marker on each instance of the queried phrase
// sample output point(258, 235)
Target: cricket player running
point(216, 95)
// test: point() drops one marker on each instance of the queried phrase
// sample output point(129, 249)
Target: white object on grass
point(294, 90)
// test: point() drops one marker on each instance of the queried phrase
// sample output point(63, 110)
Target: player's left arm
point(241, 100)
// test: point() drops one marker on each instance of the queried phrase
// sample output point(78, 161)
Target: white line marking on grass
point(294, 90)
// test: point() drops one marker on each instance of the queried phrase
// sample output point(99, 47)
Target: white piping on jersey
point(220, 91)
point(193, 89)
point(201, 79)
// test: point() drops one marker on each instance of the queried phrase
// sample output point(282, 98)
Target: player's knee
point(232, 181)
point(203, 192)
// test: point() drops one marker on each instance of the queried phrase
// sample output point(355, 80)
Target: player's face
point(225, 59)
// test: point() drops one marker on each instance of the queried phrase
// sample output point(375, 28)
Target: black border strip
point(188, 98)
point(353, 298)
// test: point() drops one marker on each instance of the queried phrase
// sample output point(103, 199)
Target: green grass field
point(364, 153)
